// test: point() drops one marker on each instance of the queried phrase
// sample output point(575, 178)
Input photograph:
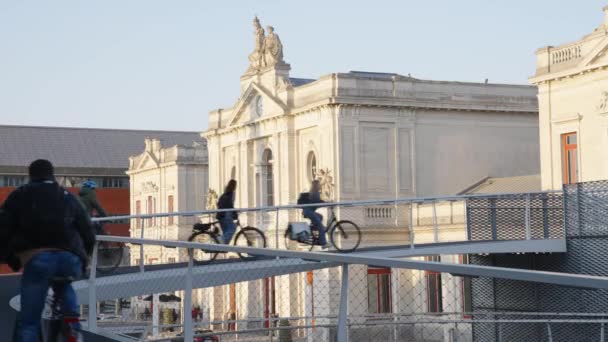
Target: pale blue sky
point(152, 64)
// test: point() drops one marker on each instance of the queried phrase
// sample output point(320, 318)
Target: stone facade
point(572, 82)
point(166, 179)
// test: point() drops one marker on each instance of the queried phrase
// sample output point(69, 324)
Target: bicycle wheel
point(201, 255)
point(345, 236)
point(249, 237)
point(109, 256)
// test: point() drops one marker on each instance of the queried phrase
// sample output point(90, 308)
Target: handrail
point(406, 200)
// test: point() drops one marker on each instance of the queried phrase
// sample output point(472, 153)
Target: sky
point(152, 64)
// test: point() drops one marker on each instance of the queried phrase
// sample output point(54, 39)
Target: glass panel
point(573, 166)
point(372, 293)
point(571, 139)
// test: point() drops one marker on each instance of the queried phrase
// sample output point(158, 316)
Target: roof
point(517, 184)
point(81, 147)
point(300, 81)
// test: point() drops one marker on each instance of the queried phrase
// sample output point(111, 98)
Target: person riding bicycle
point(226, 218)
point(47, 231)
point(311, 197)
point(88, 197)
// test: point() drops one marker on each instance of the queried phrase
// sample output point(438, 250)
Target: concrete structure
point(572, 81)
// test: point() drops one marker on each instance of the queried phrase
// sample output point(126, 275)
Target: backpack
point(42, 210)
point(304, 198)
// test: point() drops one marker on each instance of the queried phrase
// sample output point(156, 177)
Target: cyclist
point(314, 196)
point(88, 197)
point(48, 232)
point(226, 218)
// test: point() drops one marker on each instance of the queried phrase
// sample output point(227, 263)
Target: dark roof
point(81, 147)
point(300, 81)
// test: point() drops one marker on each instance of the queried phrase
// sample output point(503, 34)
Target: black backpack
point(304, 198)
point(43, 210)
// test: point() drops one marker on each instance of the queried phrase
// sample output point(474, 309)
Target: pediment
point(598, 54)
point(149, 161)
point(244, 110)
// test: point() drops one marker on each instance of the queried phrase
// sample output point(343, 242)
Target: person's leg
point(68, 265)
point(34, 289)
point(321, 228)
point(317, 221)
point(228, 228)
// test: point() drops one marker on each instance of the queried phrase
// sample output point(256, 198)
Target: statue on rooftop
point(273, 48)
point(256, 58)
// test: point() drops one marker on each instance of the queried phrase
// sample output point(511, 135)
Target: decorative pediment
point(597, 55)
point(246, 103)
point(149, 161)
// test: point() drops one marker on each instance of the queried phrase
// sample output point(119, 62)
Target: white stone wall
point(572, 83)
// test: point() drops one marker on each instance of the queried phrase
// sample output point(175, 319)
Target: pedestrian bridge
point(528, 228)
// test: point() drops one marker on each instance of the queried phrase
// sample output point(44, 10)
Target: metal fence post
point(493, 218)
point(528, 231)
point(276, 230)
point(545, 217)
point(435, 226)
point(602, 333)
point(343, 314)
point(549, 335)
point(92, 319)
point(412, 225)
point(141, 247)
point(466, 219)
point(188, 327)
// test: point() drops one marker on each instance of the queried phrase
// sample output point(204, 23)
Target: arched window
point(311, 166)
point(268, 181)
point(233, 173)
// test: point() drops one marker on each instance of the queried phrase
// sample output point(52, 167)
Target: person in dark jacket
point(88, 198)
point(314, 196)
point(48, 233)
point(226, 218)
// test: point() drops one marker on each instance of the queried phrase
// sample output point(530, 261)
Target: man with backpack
point(49, 234)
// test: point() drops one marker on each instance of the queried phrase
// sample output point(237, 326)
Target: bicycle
point(56, 326)
point(210, 233)
point(109, 253)
point(344, 235)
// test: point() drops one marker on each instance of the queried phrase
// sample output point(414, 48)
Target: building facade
point(572, 82)
point(78, 154)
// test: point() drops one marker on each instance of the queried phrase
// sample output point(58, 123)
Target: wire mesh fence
point(268, 299)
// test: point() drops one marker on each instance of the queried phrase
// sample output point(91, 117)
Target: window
point(269, 300)
point(379, 290)
point(311, 165)
point(138, 212)
point(170, 209)
point(433, 288)
point(171, 260)
point(13, 181)
point(467, 303)
point(569, 158)
point(114, 182)
point(268, 177)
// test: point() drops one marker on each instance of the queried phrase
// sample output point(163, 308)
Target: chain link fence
point(233, 300)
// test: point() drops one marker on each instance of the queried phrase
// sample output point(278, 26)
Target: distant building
point(572, 82)
point(80, 154)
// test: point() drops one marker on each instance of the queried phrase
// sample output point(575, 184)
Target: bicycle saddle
point(61, 280)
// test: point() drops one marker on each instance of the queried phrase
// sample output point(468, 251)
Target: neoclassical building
point(572, 82)
point(377, 135)
point(365, 135)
